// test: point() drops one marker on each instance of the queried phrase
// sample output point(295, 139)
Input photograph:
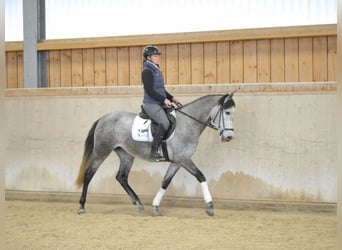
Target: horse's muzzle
point(227, 139)
point(227, 135)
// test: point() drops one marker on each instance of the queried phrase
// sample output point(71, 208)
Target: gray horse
point(112, 132)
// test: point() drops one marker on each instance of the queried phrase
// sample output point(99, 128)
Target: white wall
point(96, 18)
point(285, 146)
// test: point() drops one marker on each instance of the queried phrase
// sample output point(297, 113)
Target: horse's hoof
point(140, 208)
point(155, 211)
point(139, 205)
point(81, 211)
point(210, 209)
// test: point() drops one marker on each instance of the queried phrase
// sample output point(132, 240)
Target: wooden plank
point(20, 69)
point(190, 37)
point(223, 62)
point(291, 60)
point(12, 69)
point(184, 63)
point(119, 91)
point(135, 65)
point(264, 60)
point(305, 59)
point(123, 66)
point(320, 59)
point(210, 63)
point(332, 51)
point(48, 69)
point(66, 79)
point(111, 67)
point(171, 73)
point(100, 67)
point(236, 61)
point(197, 63)
point(162, 62)
point(277, 60)
point(88, 67)
point(54, 79)
point(323, 66)
point(77, 67)
point(250, 61)
point(14, 46)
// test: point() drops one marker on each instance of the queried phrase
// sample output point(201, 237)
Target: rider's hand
point(175, 100)
point(167, 102)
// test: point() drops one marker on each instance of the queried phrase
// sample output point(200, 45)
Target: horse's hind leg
point(170, 173)
point(88, 175)
point(126, 162)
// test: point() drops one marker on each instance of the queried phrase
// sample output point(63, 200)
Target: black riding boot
point(157, 140)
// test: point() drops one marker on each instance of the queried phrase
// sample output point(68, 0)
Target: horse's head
point(222, 117)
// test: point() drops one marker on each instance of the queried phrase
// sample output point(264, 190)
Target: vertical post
point(34, 31)
point(339, 123)
point(42, 80)
point(2, 120)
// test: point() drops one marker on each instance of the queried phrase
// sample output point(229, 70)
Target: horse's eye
point(227, 112)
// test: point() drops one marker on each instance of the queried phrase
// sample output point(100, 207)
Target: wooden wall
point(288, 54)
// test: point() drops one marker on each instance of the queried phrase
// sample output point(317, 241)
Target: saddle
point(143, 128)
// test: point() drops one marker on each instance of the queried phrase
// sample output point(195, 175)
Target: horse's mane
point(226, 104)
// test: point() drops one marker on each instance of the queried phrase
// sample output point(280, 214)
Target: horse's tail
point(88, 149)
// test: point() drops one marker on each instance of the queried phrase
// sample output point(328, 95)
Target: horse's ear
point(230, 95)
point(227, 101)
point(226, 98)
point(222, 100)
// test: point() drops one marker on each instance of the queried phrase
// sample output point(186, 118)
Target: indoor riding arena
point(274, 186)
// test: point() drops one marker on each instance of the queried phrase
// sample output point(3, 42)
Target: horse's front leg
point(192, 169)
point(170, 173)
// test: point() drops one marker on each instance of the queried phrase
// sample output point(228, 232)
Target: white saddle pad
point(141, 129)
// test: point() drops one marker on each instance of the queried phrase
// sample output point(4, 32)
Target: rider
point(156, 96)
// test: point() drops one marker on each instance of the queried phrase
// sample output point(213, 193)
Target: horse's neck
point(198, 113)
point(200, 109)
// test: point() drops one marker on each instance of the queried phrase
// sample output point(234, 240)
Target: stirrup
point(155, 156)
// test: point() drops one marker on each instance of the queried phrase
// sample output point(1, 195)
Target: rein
point(207, 124)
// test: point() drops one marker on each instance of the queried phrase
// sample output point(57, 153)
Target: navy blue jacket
point(154, 89)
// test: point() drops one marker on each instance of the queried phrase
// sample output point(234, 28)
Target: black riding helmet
point(150, 50)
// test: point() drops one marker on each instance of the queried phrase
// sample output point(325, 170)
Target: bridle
point(219, 114)
point(210, 123)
